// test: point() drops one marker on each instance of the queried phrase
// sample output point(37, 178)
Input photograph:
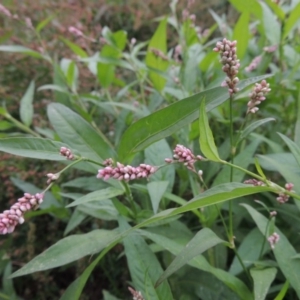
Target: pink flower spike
point(5, 11)
point(9, 219)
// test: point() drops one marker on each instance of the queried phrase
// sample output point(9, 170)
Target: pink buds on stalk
point(255, 182)
point(257, 96)
point(75, 31)
point(9, 219)
point(254, 64)
point(5, 11)
point(185, 156)
point(283, 198)
point(273, 239)
point(67, 153)
point(136, 294)
point(127, 173)
point(231, 64)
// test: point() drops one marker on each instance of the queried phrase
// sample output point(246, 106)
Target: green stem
point(20, 125)
point(232, 153)
point(130, 198)
point(243, 265)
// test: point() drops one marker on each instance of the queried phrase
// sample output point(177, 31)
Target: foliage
point(180, 156)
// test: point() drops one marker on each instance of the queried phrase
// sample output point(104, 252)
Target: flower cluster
point(184, 155)
point(270, 49)
point(159, 53)
point(121, 172)
point(257, 96)
point(136, 295)
point(5, 11)
point(52, 177)
point(75, 31)
point(273, 239)
point(273, 213)
point(255, 182)
point(254, 64)
point(282, 198)
point(231, 64)
point(67, 153)
point(9, 219)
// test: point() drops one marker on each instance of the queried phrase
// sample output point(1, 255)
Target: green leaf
point(206, 140)
point(276, 9)
point(75, 48)
point(175, 246)
point(241, 33)
point(20, 49)
point(249, 129)
point(76, 219)
point(271, 25)
point(158, 42)
point(202, 241)
point(283, 250)
point(100, 195)
point(155, 154)
point(53, 87)
point(67, 250)
point(217, 194)
point(156, 190)
point(41, 25)
point(248, 251)
point(32, 147)
point(26, 107)
point(106, 71)
point(78, 133)
point(247, 6)
point(294, 148)
point(166, 121)
point(291, 21)
point(144, 267)
point(262, 281)
point(75, 289)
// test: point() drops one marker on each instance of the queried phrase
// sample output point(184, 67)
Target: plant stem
point(232, 152)
point(130, 198)
point(20, 125)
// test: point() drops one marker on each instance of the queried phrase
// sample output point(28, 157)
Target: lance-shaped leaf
point(202, 241)
point(100, 195)
point(166, 121)
point(69, 249)
point(26, 107)
point(144, 267)
point(32, 147)
point(284, 252)
point(262, 279)
point(175, 246)
point(206, 140)
point(78, 133)
point(294, 148)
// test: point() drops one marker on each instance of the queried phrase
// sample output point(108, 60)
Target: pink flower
point(257, 96)
point(5, 11)
point(75, 31)
point(127, 173)
point(273, 239)
point(67, 153)
point(254, 64)
point(9, 219)
point(231, 64)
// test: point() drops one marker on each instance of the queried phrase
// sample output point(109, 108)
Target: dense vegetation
point(168, 153)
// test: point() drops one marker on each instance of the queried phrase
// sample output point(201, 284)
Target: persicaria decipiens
point(230, 62)
point(9, 219)
point(127, 173)
point(257, 96)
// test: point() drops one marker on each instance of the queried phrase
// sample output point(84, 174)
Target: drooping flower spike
point(9, 219)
